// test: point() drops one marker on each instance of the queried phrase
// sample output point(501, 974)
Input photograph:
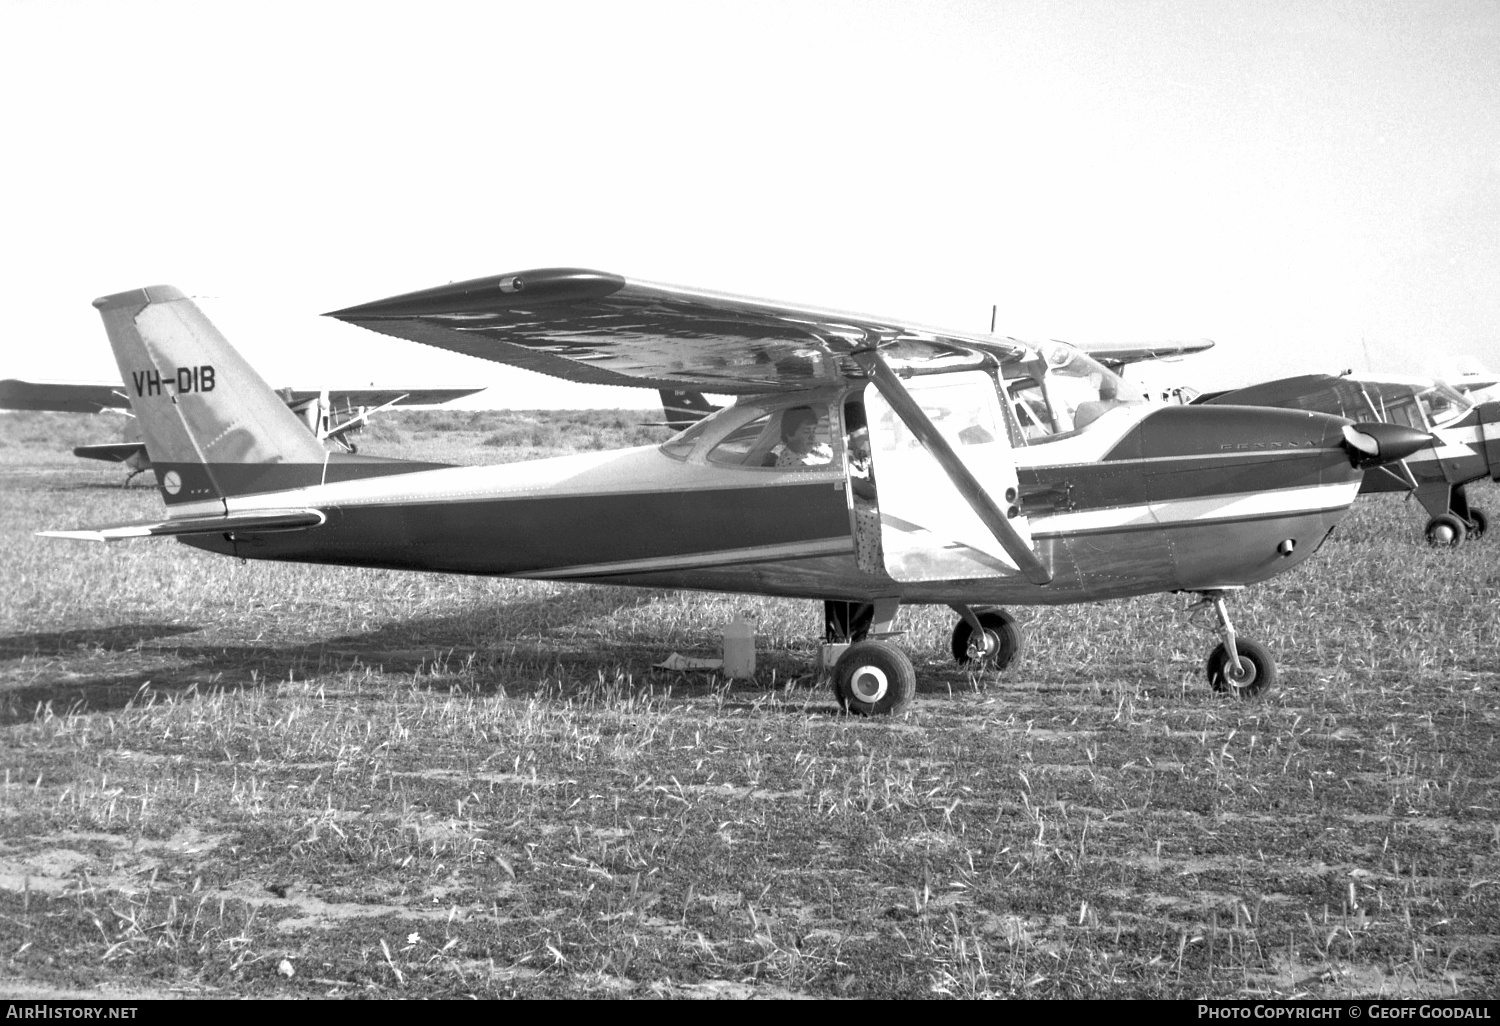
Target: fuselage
point(1144, 499)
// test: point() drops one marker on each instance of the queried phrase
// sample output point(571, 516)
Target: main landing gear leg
point(1476, 521)
point(846, 621)
point(1237, 665)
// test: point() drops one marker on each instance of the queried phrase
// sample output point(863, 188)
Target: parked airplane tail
point(683, 409)
point(213, 427)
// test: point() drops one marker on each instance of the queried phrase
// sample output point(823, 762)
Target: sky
point(1314, 184)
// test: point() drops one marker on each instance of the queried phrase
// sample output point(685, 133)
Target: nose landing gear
point(987, 639)
point(1236, 666)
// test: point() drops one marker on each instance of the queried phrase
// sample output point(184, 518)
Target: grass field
point(251, 779)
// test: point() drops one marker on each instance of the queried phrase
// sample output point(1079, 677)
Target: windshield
point(682, 443)
point(1063, 390)
point(791, 432)
point(1416, 406)
point(1444, 404)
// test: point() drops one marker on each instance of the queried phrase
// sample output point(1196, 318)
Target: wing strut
point(984, 507)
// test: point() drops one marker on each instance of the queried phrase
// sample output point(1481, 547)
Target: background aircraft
point(1003, 472)
point(1470, 376)
point(1465, 442)
point(335, 415)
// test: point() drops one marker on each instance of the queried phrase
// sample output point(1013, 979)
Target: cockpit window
point(799, 435)
point(736, 449)
point(1444, 404)
point(681, 445)
point(1415, 406)
point(1063, 390)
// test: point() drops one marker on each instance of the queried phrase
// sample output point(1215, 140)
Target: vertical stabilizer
point(212, 426)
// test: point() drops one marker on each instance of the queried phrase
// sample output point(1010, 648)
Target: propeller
point(1376, 444)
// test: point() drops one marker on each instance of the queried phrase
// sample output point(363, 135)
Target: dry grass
point(260, 780)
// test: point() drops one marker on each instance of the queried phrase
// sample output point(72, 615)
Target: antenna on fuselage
point(993, 308)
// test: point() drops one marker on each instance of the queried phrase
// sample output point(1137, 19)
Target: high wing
point(1115, 355)
point(62, 396)
point(599, 328)
point(1468, 374)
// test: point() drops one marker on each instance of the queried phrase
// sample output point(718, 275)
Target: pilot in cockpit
point(799, 440)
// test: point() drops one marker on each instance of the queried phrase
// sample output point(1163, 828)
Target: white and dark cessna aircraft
point(865, 462)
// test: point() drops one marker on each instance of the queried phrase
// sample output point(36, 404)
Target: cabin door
point(927, 530)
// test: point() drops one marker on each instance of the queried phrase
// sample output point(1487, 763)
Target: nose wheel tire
point(1446, 531)
point(1257, 670)
point(998, 648)
point(873, 678)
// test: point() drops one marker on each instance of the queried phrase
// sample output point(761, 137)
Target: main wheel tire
point(1479, 522)
point(1446, 531)
point(1257, 670)
point(1004, 637)
point(873, 678)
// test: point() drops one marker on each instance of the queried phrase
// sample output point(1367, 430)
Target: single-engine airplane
point(335, 415)
point(1465, 442)
point(997, 472)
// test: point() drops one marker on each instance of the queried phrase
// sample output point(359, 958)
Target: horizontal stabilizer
point(62, 396)
point(384, 396)
point(264, 521)
point(110, 452)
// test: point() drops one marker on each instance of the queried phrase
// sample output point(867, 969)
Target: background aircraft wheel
point(1258, 674)
point(873, 678)
point(1004, 640)
point(1479, 522)
point(1446, 530)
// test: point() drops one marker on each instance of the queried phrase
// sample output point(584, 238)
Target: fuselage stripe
point(696, 560)
point(1245, 505)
